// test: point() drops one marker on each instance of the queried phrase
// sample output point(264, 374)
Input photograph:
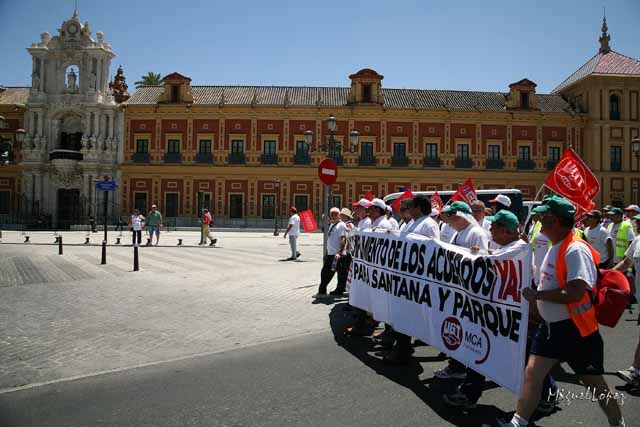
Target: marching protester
point(361, 209)
point(569, 332)
point(471, 236)
point(336, 242)
point(206, 224)
point(621, 233)
point(344, 261)
point(499, 203)
point(154, 223)
point(293, 230)
point(632, 258)
point(377, 214)
point(446, 231)
point(478, 211)
point(394, 224)
point(407, 219)
point(504, 232)
point(630, 212)
point(136, 224)
point(539, 243)
point(605, 211)
point(598, 237)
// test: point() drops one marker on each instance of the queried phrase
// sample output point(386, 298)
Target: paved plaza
point(206, 329)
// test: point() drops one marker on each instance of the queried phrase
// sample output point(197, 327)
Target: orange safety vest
point(581, 312)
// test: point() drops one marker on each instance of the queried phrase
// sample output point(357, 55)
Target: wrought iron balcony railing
point(66, 155)
point(431, 162)
point(526, 164)
point(236, 158)
point(463, 163)
point(302, 159)
point(367, 161)
point(173, 157)
point(400, 161)
point(269, 159)
point(495, 164)
point(141, 158)
point(204, 158)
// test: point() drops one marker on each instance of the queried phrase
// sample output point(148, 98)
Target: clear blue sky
point(448, 44)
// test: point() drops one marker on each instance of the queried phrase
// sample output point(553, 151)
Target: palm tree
point(151, 79)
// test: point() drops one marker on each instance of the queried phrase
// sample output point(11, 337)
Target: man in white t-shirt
point(632, 258)
point(377, 214)
point(394, 223)
point(136, 224)
point(598, 237)
point(407, 219)
point(569, 332)
point(423, 224)
point(293, 230)
point(446, 231)
point(361, 209)
point(336, 241)
point(478, 210)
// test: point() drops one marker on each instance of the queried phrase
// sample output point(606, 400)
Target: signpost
point(328, 174)
point(107, 185)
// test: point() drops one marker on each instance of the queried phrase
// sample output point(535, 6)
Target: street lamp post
point(275, 208)
point(635, 147)
point(331, 149)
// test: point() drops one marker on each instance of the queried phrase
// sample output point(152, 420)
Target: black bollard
point(59, 245)
point(179, 242)
point(26, 239)
point(56, 240)
point(148, 241)
point(104, 252)
point(136, 265)
point(117, 240)
point(86, 240)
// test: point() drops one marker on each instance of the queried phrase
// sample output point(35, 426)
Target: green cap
point(457, 207)
point(505, 218)
point(638, 218)
point(558, 206)
point(615, 211)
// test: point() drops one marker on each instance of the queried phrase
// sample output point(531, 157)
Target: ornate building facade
point(241, 149)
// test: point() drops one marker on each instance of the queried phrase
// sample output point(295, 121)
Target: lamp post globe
point(20, 135)
point(353, 137)
point(331, 123)
point(308, 137)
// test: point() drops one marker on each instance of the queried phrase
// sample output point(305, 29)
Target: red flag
point(465, 193)
point(369, 196)
point(396, 203)
point(436, 202)
point(573, 180)
point(308, 221)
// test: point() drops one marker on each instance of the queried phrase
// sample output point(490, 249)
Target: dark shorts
point(562, 341)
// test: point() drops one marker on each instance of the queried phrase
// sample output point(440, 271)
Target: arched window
point(614, 107)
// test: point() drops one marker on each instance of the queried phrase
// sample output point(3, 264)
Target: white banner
point(468, 306)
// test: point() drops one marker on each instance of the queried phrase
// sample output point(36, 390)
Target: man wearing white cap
point(336, 242)
point(391, 219)
point(377, 213)
point(631, 211)
point(361, 210)
point(500, 202)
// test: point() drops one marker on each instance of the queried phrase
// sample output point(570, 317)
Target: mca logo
point(451, 333)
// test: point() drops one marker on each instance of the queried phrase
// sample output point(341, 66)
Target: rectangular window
point(462, 152)
point(493, 152)
point(237, 146)
point(336, 201)
point(302, 149)
point(616, 158)
point(5, 202)
point(236, 202)
point(301, 202)
point(431, 151)
point(204, 202)
point(171, 204)
point(524, 152)
point(269, 148)
point(175, 93)
point(524, 99)
point(366, 93)
point(399, 150)
point(366, 150)
point(268, 206)
point(173, 146)
point(554, 154)
point(204, 146)
point(142, 146)
point(140, 202)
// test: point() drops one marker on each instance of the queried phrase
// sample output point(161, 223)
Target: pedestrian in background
point(207, 221)
point(136, 224)
point(154, 223)
point(391, 219)
point(293, 231)
point(598, 237)
point(621, 233)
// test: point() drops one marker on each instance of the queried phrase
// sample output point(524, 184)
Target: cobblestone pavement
point(66, 316)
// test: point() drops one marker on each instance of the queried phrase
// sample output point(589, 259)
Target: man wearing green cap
point(632, 257)
point(621, 233)
point(570, 329)
point(471, 236)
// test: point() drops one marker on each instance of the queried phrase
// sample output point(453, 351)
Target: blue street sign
point(106, 185)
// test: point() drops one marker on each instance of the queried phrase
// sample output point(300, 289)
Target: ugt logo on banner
point(572, 179)
point(308, 221)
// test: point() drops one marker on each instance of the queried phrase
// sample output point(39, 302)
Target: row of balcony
point(305, 159)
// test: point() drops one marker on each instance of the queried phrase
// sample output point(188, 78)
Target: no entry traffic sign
point(328, 172)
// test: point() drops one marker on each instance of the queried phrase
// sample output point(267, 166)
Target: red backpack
point(610, 296)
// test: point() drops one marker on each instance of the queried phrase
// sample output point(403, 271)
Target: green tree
point(151, 79)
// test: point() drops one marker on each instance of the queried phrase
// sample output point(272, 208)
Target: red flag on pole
point(369, 196)
point(436, 202)
point(308, 221)
point(396, 203)
point(573, 180)
point(465, 193)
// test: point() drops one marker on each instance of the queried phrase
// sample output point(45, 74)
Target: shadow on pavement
point(429, 391)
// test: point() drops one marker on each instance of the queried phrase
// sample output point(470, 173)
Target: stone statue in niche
point(93, 80)
point(36, 81)
point(72, 84)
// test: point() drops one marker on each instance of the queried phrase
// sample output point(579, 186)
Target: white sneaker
point(629, 375)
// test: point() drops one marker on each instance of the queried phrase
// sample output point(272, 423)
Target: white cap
point(434, 212)
point(389, 209)
point(362, 202)
point(502, 199)
point(379, 203)
point(334, 209)
point(635, 208)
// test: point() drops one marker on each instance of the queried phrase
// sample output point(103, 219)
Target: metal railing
point(464, 163)
point(65, 155)
point(269, 159)
point(302, 159)
point(430, 162)
point(526, 164)
point(400, 161)
point(236, 158)
point(204, 158)
point(173, 157)
point(495, 164)
point(141, 158)
point(367, 161)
